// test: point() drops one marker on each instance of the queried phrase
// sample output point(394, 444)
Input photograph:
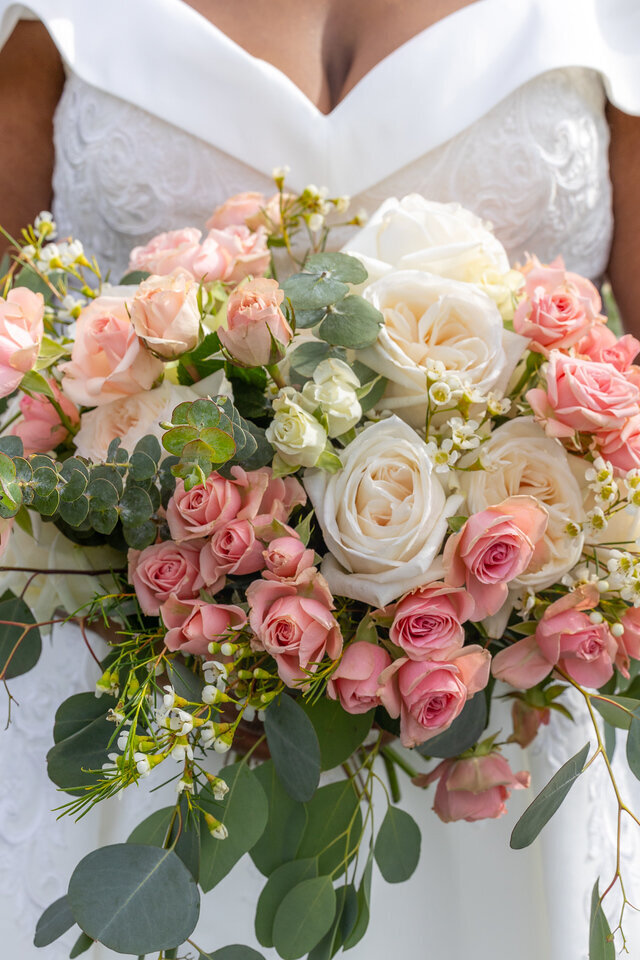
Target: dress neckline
point(382, 64)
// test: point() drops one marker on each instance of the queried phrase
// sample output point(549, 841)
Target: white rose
point(333, 389)
point(297, 436)
point(134, 417)
point(418, 234)
point(383, 516)
point(520, 459)
point(430, 318)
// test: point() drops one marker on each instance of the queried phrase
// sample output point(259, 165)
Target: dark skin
point(326, 48)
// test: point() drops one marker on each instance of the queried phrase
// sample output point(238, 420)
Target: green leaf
point(465, 730)
point(134, 277)
point(20, 646)
point(81, 945)
point(397, 848)
point(339, 733)
point(55, 921)
point(177, 438)
point(303, 917)
point(364, 904)
point(184, 681)
point(371, 393)
point(103, 518)
point(134, 898)
point(286, 823)
point(135, 506)
point(457, 523)
point(244, 812)
point(304, 359)
point(294, 747)
point(308, 318)
point(74, 513)
point(633, 747)
point(343, 920)
point(613, 714)
point(601, 946)
point(104, 490)
point(353, 323)
point(333, 810)
point(34, 382)
point(282, 880)
point(235, 951)
point(140, 535)
point(340, 266)
point(153, 831)
point(84, 749)
point(311, 290)
point(548, 800)
point(12, 446)
point(77, 712)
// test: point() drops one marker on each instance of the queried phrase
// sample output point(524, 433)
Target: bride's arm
point(624, 265)
point(31, 80)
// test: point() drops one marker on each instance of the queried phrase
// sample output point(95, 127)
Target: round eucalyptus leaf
point(139, 535)
point(235, 951)
point(303, 917)
point(12, 446)
point(153, 831)
point(397, 847)
point(135, 506)
point(305, 358)
point(305, 319)
point(134, 277)
point(134, 898)
point(309, 291)
point(150, 446)
point(75, 512)
point(103, 518)
point(102, 491)
point(339, 733)
point(340, 266)
point(353, 322)
point(82, 737)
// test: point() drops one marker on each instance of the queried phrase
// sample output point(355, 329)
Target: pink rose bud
point(233, 549)
point(602, 345)
point(21, 332)
point(286, 558)
point(194, 624)
point(429, 695)
point(167, 252)
point(494, 547)
point(257, 330)
point(203, 509)
point(165, 569)
point(108, 361)
point(521, 664)
point(294, 624)
point(583, 396)
point(558, 307)
point(40, 427)
point(165, 314)
point(427, 623)
point(355, 681)
point(527, 720)
point(232, 254)
point(475, 788)
point(236, 211)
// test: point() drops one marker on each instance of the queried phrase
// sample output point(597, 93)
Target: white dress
point(499, 106)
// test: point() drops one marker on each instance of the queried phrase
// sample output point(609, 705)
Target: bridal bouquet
point(312, 515)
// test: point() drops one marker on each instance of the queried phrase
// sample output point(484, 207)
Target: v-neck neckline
point(382, 64)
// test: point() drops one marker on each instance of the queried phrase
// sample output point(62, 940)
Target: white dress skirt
point(500, 107)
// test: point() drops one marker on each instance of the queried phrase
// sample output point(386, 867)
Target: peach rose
point(257, 331)
point(474, 788)
point(108, 360)
point(602, 345)
point(40, 427)
point(583, 396)
point(427, 623)
point(165, 314)
point(236, 211)
point(166, 252)
point(232, 254)
point(566, 637)
point(162, 570)
point(194, 624)
point(293, 623)
point(494, 547)
point(558, 307)
point(286, 558)
point(21, 332)
point(201, 510)
point(429, 695)
point(621, 447)
point(355, 681)
point(267, 496)
point(233, 549)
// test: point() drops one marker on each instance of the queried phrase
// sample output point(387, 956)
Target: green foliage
point(81, 946)
point(294, 747)
point(153, 831)
point(203, 361)
point(601, 946)
point(353, 323)
point(286, 823)
point(342, 925)
point(82, 734)
point(364, 907)
point(617, 711)
point(20, 644)
point(303, 917)
point(55, 921)
point(339, 733)
point(282, 880)
point(134, 898)
point(235, 951)
point(633, 747)
point(540, 811)
point(134, 277)
point(463, 732)
point(397, 848)
point(334, 826)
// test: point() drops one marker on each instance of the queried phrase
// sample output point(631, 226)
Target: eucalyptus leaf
point(465, 730)
point(353, 323)
point(294, 747)
point(332, 812)
point(311, 290)
point(81, 946)
point(339, 733)
point(304, 359)
point(540, 811)
point(601, 946)
point(339, 266)
point(633, 747)
point(55, 921)
point(282, 880)
point(20, 646)
point(397, 847)
point(286, 823)
point(80, 751)
point(364, 905)
point(235, 951)
point(134, 277)
point(616, 710)
point(303, 917)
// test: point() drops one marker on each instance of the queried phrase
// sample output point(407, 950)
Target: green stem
point(392, 776)
point(276, 376)
point(64, 419)
point(399, 760)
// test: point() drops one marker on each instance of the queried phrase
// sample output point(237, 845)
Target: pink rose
point(21, 332)
point(558, 308)
point(236, 211)
point(294, 624)
point(355, 681)
point(256, 326)
point(201, 510)
point(163, 569)
point(107, 361)
point(233, 549)
point(602, 345)
point(165, 314)
point(621, 447)
point(429, 695)
point(194, 624)
point(583, 395)
point(286, 558)
point(427, 623)
point(167, 251)
point(232, 254)
point(474, 788)
point(629, 642)
point(566, 637)
point(521, 664)
point(40, 427)
point(494, 547)
point(527, 720)
point(268, 496)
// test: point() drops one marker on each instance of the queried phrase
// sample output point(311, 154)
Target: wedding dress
point(500, 106)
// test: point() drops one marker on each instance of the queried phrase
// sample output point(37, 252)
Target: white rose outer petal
point(374, 562)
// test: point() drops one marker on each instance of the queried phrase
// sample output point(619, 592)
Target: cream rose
point(383, 516)
point(430, 318)
point(165, 313)
point(333, 389)
point(418, 234)
point(297, 436)
point(132, 418)
point(520, 459)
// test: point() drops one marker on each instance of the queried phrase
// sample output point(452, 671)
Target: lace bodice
point(535, 166)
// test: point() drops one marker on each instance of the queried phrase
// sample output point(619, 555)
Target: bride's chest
point(535, 165)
